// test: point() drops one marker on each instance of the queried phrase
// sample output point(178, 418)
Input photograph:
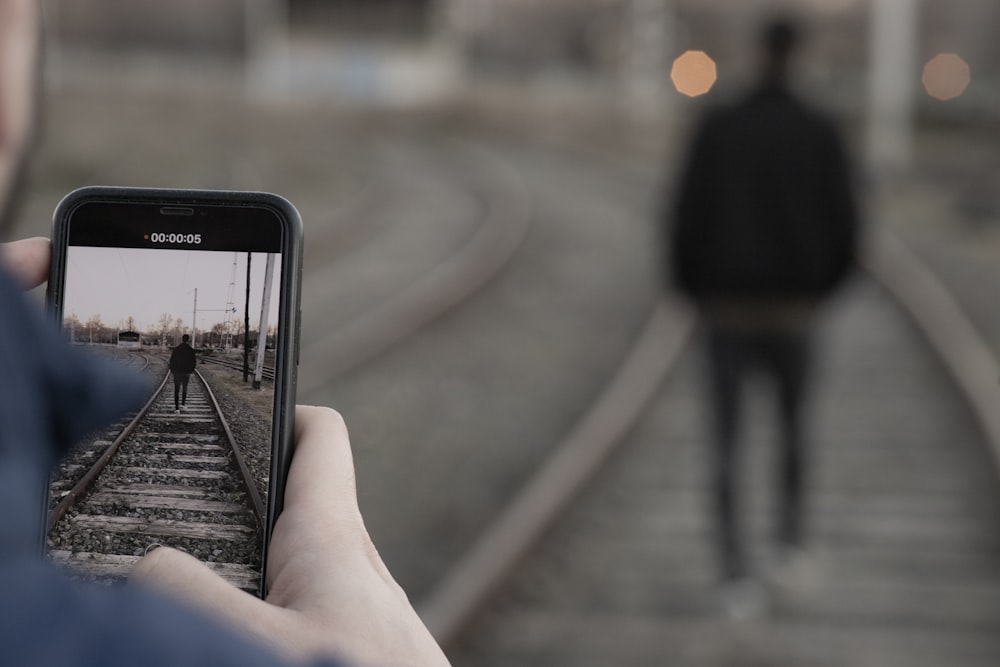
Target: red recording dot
point(145, 236)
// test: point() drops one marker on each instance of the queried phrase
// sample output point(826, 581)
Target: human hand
point(329, 592)
point(27, 260)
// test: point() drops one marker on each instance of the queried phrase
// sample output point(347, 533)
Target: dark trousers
point(785, 358)
point(180, 389)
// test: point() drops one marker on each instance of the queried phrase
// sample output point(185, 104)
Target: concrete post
point(265, 307)
point(894, 70)
point(650, 33)
point(267, 38)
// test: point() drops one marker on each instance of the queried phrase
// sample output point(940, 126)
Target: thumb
point(27, 260)
point(186, 578)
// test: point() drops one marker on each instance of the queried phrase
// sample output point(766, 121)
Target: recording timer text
point(160, 237)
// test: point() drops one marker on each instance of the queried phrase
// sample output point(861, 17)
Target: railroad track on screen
point(166, 479)
point(267, 372)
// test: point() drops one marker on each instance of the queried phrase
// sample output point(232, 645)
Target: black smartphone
point(199, 290)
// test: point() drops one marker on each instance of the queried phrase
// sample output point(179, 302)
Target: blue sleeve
point(46, 620)
point(50, 396)
point(50, 393)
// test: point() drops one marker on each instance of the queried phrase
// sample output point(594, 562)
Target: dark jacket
point(183, 360)
point(764, 210)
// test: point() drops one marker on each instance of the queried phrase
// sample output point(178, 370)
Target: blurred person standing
point(764, 228)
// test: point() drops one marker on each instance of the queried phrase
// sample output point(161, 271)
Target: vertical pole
point(267, 44)
point(230, 305)
point(649, 30)
point(265, 306)
point(194, 321)
point(893, 72)
point(246, 325)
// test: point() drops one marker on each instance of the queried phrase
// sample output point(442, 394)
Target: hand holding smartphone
point(200, 291)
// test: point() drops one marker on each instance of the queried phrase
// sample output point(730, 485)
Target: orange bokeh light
point(693, 73)
point(946, 76)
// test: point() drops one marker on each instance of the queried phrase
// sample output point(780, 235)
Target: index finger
point(321, 476)
point(27, 260)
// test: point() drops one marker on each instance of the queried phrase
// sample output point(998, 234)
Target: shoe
point(744, 599)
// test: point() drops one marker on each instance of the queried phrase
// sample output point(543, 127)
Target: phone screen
point(191, 297)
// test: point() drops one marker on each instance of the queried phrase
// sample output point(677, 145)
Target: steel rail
point(251, 487)
point(509, 214)
point(80, 489)
point(267, 374)
point(486, 566)
point(963, 351)
point(473, 581)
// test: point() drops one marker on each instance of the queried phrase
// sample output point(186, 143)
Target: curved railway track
point(138, 361)
point(507, 214)
point(165, 479)
point(477, 578)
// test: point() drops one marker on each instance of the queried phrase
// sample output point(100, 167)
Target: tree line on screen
point(166, 331)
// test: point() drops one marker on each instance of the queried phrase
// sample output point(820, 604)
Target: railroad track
point(267, 373)
point(505, 217)
point(138, 361)
point(166, 479)
point(482, 574)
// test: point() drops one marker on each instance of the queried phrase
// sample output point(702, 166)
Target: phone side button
point(298, 335)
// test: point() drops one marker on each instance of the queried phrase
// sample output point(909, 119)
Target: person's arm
point(330, 593)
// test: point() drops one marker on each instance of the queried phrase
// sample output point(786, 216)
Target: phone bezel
point(133, 206)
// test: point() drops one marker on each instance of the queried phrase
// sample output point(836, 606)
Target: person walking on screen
point(182, 363)
point(763, 228)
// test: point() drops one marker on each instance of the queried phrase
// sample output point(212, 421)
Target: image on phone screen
point(197, 313)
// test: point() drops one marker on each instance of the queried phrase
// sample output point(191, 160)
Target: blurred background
point(483, 185)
